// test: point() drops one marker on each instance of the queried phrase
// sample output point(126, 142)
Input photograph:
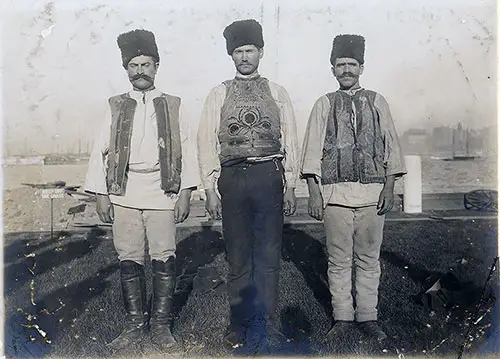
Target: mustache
point(141, 76)
point(347, 74)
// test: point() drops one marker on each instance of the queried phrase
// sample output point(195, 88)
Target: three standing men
point(141, 170)
point(248, 152)
point(351, 158)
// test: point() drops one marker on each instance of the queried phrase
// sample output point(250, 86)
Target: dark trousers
point(252, 223)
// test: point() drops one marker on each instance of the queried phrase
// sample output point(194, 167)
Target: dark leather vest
point(352, 155)
point(169, 142)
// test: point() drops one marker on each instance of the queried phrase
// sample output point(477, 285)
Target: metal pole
point(51, 219)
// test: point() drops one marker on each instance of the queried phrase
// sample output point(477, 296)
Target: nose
point(244, 56)
point(140, 70)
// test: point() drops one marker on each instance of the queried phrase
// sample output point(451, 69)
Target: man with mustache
point(247, 148)
point(351, 157)
point(143, 170)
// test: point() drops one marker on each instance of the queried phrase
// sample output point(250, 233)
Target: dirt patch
point(24, 210)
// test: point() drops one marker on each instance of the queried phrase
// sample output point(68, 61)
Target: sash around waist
point(145, 170)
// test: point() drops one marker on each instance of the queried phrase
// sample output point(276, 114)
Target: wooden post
point(412, 200)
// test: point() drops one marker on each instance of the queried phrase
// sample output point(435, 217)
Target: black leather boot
point(134, 298)
point(163, 294)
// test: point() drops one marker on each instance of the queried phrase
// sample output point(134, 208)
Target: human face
point(141, 72)
point(246, 58)
point(347, 72)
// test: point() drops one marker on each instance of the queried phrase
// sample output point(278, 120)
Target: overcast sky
point(434, 61)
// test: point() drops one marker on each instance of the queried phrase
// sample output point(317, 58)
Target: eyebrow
point(141, 63)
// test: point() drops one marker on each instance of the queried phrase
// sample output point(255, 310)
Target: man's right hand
point(105, 208)
point(213, 204)
point(315, 203)
point(316, 206)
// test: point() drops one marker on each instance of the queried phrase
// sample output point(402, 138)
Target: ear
point(261, 53)
point(361, 68)
point(333, 71)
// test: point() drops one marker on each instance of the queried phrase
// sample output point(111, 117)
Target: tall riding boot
point(163, 293)
point(133, 283)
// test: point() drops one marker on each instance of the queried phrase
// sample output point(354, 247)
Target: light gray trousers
point(354, 233)
point(133, 227)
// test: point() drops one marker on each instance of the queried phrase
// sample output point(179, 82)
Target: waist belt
point(242, 162)
point(147, 170)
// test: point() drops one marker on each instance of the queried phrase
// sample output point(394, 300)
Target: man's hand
point(315, 206)
point(213, 204)
point(315, 203)
point(289, 202)
point(181, 209)
point(386, 198)
point(105, 208)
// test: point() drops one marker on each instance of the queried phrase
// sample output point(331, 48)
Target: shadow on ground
point(27, 258)
point(30, 328)
point(91, 307)
point(196, 251)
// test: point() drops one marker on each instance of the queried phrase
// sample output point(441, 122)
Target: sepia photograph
point(237, 179)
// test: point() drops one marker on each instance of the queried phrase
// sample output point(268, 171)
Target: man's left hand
point(289, 202)
point(181, 209)
point(385, 201)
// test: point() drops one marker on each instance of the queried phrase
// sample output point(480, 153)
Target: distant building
point(488, 136)
point(442, 140)
point(460, 140)
point(416, 142)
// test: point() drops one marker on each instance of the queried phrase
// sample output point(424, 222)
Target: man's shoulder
point(118, 98)
point(220, 88)
point(169, 96)
point(276, 85)
point(278, 91)
point(371, 92)
point(376, 97)
point(222, 85)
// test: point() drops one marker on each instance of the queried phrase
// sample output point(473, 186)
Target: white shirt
point(143, 189)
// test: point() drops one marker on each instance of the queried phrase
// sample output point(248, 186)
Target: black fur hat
point(243, 32)
point(352, 46)
point(135, 43)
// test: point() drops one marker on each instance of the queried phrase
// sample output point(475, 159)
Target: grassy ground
point(63, 299)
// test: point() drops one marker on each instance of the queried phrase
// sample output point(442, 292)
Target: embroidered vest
point(250, 121)
point(349, 154)
point(169, 142)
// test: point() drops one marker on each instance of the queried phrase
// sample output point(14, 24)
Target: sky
point(434, 61)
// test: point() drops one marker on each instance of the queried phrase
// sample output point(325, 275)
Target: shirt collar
point(138, 95)
point(252, 76)
point(353, 91)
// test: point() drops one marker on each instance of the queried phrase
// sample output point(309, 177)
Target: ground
point(62, 295)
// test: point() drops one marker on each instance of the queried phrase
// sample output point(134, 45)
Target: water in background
point(438, 176)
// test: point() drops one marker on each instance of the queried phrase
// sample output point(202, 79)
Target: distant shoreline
point(47, 160)
point(65, 159)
